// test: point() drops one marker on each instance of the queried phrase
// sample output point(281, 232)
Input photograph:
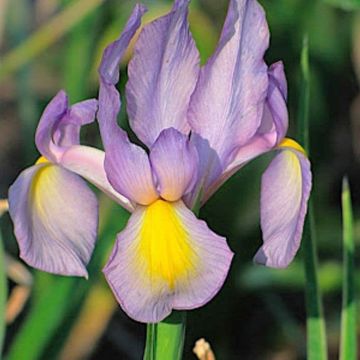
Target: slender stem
point(165, 340)
point(316, 334)
point(348, 343)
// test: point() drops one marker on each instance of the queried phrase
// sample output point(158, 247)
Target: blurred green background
point(46, 45)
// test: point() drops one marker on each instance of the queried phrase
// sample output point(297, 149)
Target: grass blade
point(348, 343)
point(315, 323)
point(3, 294)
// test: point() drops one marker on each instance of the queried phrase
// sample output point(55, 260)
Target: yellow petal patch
point(165, 245)
point(42, 160)
point(43, 185)
point(292, 144)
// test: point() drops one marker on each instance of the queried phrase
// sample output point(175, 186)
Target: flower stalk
point(165, 340)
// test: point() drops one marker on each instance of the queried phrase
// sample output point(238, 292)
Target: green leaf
point(3, 294)
point(344, 4)
point(348, 343)
point(316, 334)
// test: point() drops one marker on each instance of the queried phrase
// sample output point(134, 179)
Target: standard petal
point(127, 166)
point(109, 67)
point(53, 113)
point(67, 131)
point(166, 259)
point(55, 218)
point(162, 75)
point(273, 127)
point(59, 126)
point(88, 162)
point(174, 160)
point(285, 190)
point(227, 105)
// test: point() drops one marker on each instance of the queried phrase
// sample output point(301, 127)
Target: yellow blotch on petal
point(43, 185)
point(165, 244)
point(42, 160)
point(292, 144)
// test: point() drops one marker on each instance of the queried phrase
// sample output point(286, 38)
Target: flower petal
point(55, 217)
point(109, 67)
point(285, 190)
point(166, 259)
point(53, 113)
point(59, 126)
point(162, 75)
point(88, 162)
point(227, 105)
point(270, 133)
point(174, 160)
point(127, 166)
point(67, 131)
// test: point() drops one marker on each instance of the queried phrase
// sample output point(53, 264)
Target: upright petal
point(270, 133)
point(174, 161)
point(166, 259)
point(59, 126)
point(55, 218)
point(127, 166)
point(67, 131)
point(162, 75)
point(53, 113)
point(285, 190)
point(227, 105)
point(109, 67)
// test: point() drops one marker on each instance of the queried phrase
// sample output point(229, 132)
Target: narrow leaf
point(3, 294)
point(348, 343)
point(316, 335)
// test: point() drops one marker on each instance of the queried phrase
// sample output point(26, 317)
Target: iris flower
point(197, 126)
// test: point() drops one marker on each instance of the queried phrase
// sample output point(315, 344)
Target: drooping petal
point(174, 160)
point(227, 105)
point(55, 218)
point(59, 126)
point(285, 190)
point(88, 162)
point(127, 166)
point(166, 259)
point(162, 75)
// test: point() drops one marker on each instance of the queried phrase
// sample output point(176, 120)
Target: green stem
point(348, 343)
point(165, 340)
point(316, 334)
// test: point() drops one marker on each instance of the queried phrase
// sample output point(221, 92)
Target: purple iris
point(198, 126)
